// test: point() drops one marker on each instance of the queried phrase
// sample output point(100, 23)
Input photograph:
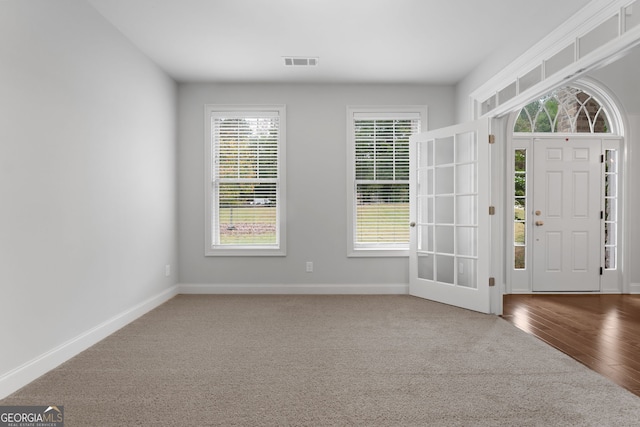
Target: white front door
point(566, 214)
point(450, 248)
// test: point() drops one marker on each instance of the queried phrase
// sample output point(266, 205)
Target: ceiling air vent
point(299, 61)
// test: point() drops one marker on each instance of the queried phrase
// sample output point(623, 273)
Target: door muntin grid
point(447, 216)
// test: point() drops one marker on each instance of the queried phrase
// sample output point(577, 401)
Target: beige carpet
point(324, 361)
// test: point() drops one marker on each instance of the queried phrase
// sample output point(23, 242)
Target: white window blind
point(381, 178)
point(245, 179)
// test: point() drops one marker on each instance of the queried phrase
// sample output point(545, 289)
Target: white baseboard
point(31, 370)
point(634, 288)
point(23, 375)
point(308, 289)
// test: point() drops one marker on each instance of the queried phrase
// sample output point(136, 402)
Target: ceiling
point(364, 41)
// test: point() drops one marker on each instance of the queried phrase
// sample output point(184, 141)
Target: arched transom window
point(565, 110)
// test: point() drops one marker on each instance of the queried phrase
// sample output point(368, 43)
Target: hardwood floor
point(601, 331)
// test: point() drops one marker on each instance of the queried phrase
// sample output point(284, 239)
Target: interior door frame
point(615, 281)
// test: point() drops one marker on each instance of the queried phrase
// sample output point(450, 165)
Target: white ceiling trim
point(586, 20)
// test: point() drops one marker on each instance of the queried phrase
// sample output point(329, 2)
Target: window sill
point(244, 252)
point(378, 253)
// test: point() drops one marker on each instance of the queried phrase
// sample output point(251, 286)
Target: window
point(378, 168)
point(610, 213)
point(244, 178)
point(519, 208)
point(568, 109)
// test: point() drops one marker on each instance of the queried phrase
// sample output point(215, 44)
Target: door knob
point(538, 213)
point(412, 224)
point(539, 223)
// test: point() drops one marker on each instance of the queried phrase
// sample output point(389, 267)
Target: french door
point(449, 195)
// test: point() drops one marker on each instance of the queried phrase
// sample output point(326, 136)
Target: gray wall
point(621, 78)
point(316, 182)
point(87, 176)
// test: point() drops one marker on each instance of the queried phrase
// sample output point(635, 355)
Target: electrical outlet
point(309, 266)
point(167, 270)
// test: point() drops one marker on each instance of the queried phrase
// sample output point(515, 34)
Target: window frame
point(377, 112)
point(211, 211)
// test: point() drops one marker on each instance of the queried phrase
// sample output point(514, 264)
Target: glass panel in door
point(449, 194)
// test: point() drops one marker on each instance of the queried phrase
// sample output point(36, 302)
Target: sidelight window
point(520, 208)
point(610, 212)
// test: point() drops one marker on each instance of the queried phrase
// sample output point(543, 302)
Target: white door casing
point(449, 193)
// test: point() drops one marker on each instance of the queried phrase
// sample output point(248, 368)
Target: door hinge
point(492, 281)
point(492, 138)
point(601, 214)
point(601, 270)
point(601, 158)
point(492, 210)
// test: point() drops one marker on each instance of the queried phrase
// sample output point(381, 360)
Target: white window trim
point(210, 249)
point(375, 112)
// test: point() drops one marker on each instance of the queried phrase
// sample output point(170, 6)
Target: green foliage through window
point(381, 178)
point(245, 160)
point(565, 110)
